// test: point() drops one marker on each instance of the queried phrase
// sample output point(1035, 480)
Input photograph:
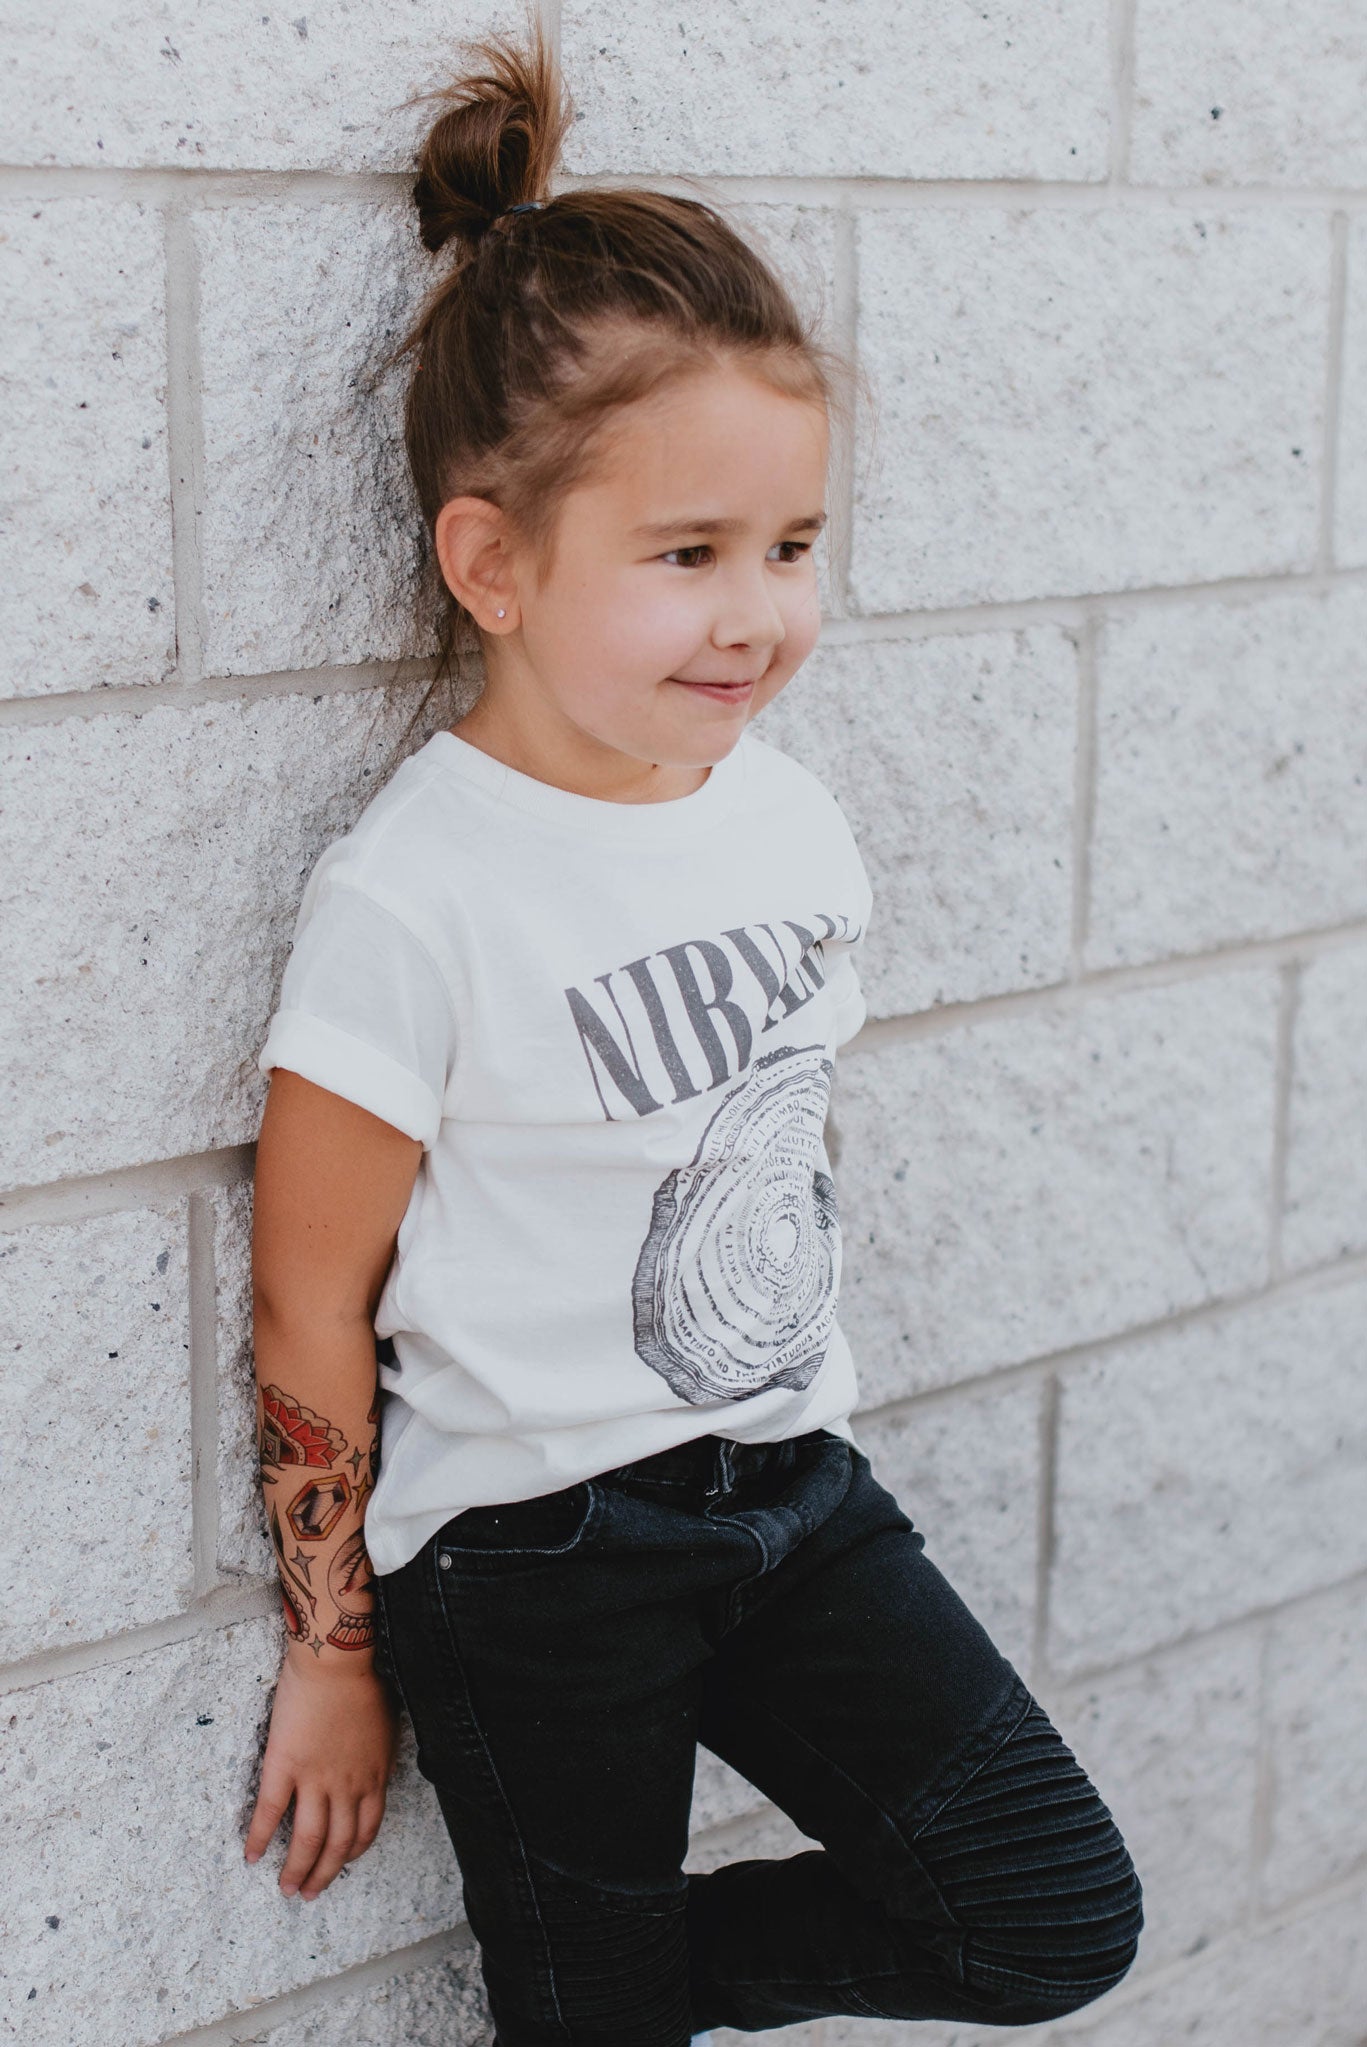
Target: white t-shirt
point(612, 1027)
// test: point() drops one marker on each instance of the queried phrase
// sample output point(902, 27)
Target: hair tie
point(505, 212)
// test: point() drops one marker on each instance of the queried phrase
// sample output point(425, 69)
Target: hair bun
point(496, 142)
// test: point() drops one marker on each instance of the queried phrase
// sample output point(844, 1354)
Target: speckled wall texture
point(1093, 692)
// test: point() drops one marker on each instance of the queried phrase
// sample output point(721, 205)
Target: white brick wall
point(88, 597)
point(1093, 691)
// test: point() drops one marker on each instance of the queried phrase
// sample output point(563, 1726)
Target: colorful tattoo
point(291, 1436)
point(352, 1586)
point(294, 1434)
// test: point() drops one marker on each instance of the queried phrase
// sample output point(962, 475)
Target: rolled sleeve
point(333, 1059)
point(365, 1011)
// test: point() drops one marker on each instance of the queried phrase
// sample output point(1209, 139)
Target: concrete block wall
point(1093, 691)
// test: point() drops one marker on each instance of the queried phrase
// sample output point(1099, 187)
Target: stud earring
point(501, 612)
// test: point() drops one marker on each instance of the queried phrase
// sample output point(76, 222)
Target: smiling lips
point(724, 692)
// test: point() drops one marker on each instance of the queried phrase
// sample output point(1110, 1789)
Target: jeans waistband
point(719, 1460)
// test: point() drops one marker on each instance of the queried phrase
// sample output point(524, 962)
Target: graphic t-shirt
point(612, 1027)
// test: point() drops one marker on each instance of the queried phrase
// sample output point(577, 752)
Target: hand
point(332, 1746)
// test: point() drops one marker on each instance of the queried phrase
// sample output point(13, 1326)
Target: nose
point(748, 614)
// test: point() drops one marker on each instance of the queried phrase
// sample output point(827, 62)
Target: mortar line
point(1333, 389)
point(208, 188)
point(1046, 1531)
point(1288, 1010)
point(736, 1826)
point(224, 186)
point(184, 438)
point(1264, 1780)
point(1084, 789)
point(898, 194)
point(310, 2000)
point(844, 320)
point(1070, 1359)
point(1063, 608)
point(1122, 63)
point(1349, 1879)
point(1174, 1648)
point(204, 1421)
point(84, 1195)
point(55, 707)
point(1065, 997)
point(229, 1604)
point(1074, 608)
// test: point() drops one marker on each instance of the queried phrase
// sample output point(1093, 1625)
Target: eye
point(800, 548)
point(675, 554)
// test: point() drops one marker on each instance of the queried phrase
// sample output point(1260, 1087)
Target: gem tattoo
point(318, 1506)
point(292, 1435)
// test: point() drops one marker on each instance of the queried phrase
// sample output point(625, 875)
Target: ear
point(474, 549)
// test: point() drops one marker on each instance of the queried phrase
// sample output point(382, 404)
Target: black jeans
point(561, 1657)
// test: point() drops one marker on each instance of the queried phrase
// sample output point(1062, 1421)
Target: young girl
point(549, 1080)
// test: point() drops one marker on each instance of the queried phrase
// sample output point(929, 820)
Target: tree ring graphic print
point(736, 1284)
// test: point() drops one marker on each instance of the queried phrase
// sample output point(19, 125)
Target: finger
point(306, 1840)
point(277, 1788)
point(341, 1836)
point(369, 1814)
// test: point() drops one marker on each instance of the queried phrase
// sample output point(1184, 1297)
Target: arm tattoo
point(327, 1587)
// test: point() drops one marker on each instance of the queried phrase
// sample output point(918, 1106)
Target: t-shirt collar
point(676, 817)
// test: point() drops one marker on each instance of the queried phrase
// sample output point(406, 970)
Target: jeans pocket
point(546, 1525)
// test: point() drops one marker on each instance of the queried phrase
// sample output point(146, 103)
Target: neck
point(580, 764)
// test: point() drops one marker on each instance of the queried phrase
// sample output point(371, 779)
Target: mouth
point(722, 692)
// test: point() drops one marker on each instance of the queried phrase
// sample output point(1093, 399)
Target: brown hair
point(554, 316)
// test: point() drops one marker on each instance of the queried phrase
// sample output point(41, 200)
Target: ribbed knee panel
point(1032, 1866)
point(615, 1968)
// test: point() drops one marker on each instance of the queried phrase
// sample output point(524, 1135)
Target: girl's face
point(681, 595)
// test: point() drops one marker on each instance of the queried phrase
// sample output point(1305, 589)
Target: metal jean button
point(444, 1559)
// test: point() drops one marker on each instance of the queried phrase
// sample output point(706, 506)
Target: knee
point(1063, 1953)
point(613, 1961)
point(1033, 1867)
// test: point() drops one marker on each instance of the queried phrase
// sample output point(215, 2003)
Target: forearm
point(317, 1415)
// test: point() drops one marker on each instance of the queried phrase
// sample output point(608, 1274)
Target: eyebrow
point(667, 529)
